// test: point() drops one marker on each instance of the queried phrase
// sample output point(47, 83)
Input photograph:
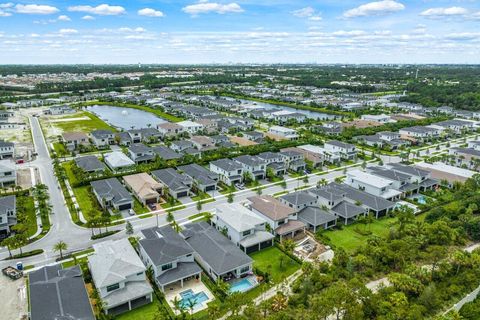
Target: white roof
point(7, 165)
point(282, 129)
point(369, 179)
point(282, 113)
point(238, 217)
point(188, 123)
point(313, 149)
point(447, 168)
point(118, 159)
point(114, 261)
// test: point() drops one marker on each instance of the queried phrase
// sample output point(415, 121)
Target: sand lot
point(14, 298)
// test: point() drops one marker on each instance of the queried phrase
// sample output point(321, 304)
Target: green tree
point(60, 247)
point(129, 228)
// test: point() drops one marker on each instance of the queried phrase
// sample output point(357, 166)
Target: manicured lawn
point(26, 214)
point(144, 312)
point(87, 201)
point(275, 262)
point(94, 123)
point(349, 239)
point(60, 149)
point(138, 207)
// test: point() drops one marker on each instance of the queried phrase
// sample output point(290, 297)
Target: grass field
point(275, 262)
point(349, 239)
point(94, 123)
point(60, 149)
point(87, 202)
point(144, 312)
point(29, 218)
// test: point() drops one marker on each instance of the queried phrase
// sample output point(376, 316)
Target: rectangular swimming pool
point(190, 299)
point(242, 285)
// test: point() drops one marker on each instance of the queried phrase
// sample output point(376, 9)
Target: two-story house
point(255, 166)
point(242, 227)
point(103, 138)
point(346, 151)
point(294, 160)
point(275, 162)
point(171, 258)
point(73, 140)
point(8, 173)
point(119, 276)
point(8, 215)
point(7, 149)
point(178, 184)
point(141, 153)
point(229, 171)
point(169, 129)
point(373, 184)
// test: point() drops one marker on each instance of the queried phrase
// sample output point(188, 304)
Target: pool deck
point(196, 286)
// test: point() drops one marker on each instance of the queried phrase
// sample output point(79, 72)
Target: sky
point(237, 31)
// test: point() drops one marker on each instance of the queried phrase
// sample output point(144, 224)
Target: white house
point(190, 126)
point(373, 184)
point(283, 132)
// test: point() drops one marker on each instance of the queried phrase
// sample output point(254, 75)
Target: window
point(113, 287)
point(245, 269)
point(167, 266)
point(139, 274)
point(189, 255)
point(246, 233)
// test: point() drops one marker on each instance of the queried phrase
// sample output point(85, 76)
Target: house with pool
point(172, 261)
point(219, 257)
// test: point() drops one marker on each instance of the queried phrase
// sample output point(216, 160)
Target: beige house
point(144, 187)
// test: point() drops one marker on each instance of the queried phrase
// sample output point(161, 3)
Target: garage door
point(153, 200)
point(125, 207)
point(211, 188)
point(182, 194)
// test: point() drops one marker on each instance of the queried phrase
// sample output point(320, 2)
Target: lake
point(310, 114)
point(125, 118)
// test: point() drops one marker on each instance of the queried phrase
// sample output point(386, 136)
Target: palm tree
point(60, 246)
point(170, 217)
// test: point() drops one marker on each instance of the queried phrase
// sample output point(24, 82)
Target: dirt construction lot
point(14, 298)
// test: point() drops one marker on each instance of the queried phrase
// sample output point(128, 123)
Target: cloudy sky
point(240, 31)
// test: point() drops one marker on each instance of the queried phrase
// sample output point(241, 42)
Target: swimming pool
point(189, 298)
point(242, 285)
point(421, 199)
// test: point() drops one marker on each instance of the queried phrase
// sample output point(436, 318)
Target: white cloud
point(208, 7)
point(64, 18)
point(6, 5)
point(4, 14)
point(102, 10)
point(138, 29)
point(88, 18)
point(352, 33)
point(68, 31)
point(149, 12)
point(444, 12)
point(463, 36)
point(374, 8)
point(307, 12)
point(35, 9)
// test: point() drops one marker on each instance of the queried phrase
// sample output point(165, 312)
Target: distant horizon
point(240, 31)
point(241, 64)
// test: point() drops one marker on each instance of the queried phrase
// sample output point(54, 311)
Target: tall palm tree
point(60, 246)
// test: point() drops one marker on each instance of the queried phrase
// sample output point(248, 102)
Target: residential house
point(381, 118)
point(146, 189)
point(181, 145)
point(315, 154)
point(103, 138)
point(8, 173)
point(118, 161)
point(111, 193)
point(203, 143)
point(254, 136)
point(346, 151)
point(119, 276)
point(283, 133)
point(8, 214)
point(275, 162)
point(203, 179)
point(298, 200)
point(190, 126)
point(166, 153)
point(7, 150)
point(141, 153)
point(90, 164)
point(229, 171)
point(56, 293)
point(419, 133)
point(255, 166)
point(294, 160)
point(73, 140)
point(281, 218)
point(170, 257)
point(59, 110)
point(417, 176)
point(169, 129)
point(178, 184)
point(218, 256)
point(242, 227)
point(373, 184)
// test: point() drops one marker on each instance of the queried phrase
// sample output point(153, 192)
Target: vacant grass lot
point(26, 214)
point(86, 126)
point(87, 202)
point(275, 262)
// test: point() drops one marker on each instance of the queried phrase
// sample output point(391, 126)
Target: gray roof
point(316, 216)
point(183, 144)
point(166, 153)
point(419, 129)
point(59, 294)
point(327, 194)
point(101, 134)
point(340, 144)
point(7, 204)
point(89, 163)
point(183, 270)
point(366, 199)
point(164, 245)
point(172, 179)
point(389, 174)
point(200, 174)
point(111, 189)
point(469, 151)
point(139, 148)
point(410, 170)
point(347, 210)
point(6, 144)
point(269, 155)
point(215, 249)
point(250, 160)
point(227, 164)
point(299, 198)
